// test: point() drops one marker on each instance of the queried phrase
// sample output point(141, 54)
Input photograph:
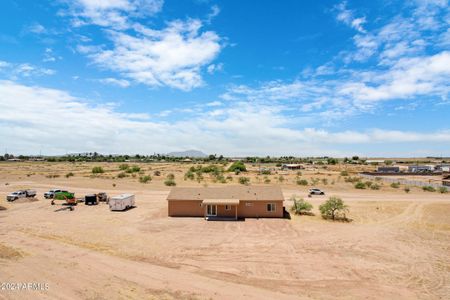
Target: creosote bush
point(360, 185)
point(302, 182)
point(300, 206)
point(395, 185)
point(97, 170)
point(428, 188)
point(244, 180)
point(70, 174)
point(145, 179)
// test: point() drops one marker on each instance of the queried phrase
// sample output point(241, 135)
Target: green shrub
point(266, 180)
point(230, 178)
point(443, 190)
point(302, 182)
point(124, 167)
point(170, 182)
point(189, 175)
point(145, 179)
point(121, 175)
point(344, 173)
point(135, 169)
point(70, 174)
point(300, 206)
point(334, 208)
point(281, 178)
point(170, 176)
point(237, 166)
point(352, 179)
point(375, 186)
point(395, 185)
point(324, 181)
point(266, 172)
point(360, 185)
point(428, 188)
point(299, 173)
point(97, 170)
point(244, 180)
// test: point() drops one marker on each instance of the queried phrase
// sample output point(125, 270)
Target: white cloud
point(238, 129)
point(114, 81)
point(215, 10)
point(172, 56)
point(15, 70)
point(213, 68)
point(37, 28)
point(347, 17)
point(112, 13)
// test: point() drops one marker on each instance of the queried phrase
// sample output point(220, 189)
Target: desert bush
point(443, 190)
point(428, 188)
point(407, 189)
point(375, 186)
point(124, 167)
point(344, 173)
point(70, 174)
point(121, 175)
point(170, 182)
point(334, 208)
point(302, 182)
point(157, 173)
point(114, 185)
point(189, 175)
point(52, 176)
point(315, 181)
point(171, 176)
point(368, 183)
point(281, 178)
point(135, 169)
point(266, 180)
point(360, 185)
point(230, 178)
point(145, 179)
point(237, 166)
point(352, 179)
point(244, 180)
point(266, 172)
point(324, 181)
point(300, 206)
point(395, 185)
point(97, 170)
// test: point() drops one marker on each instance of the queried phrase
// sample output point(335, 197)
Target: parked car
point(316, 192)
point(121, 202)
point(21, 194)
point(51, 194)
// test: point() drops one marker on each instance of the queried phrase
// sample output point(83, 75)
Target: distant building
point(388, 170)
point(292, 167)
point(446, 179)
point(421, 169)
point(443, 168)
point(375, 161)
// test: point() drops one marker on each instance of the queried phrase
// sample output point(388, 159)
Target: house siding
point(246, 209)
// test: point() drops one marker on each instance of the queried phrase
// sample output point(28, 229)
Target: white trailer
point(121, 202)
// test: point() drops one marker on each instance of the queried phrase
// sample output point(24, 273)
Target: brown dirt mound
point(7, 252)
point(3, 208)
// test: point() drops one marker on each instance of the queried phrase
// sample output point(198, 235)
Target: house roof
point(254, 193)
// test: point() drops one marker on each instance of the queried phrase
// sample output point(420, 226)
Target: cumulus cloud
point(238, 129)
point(346, 16)
point(112, 13)
point(172, 56)
point(23, 70)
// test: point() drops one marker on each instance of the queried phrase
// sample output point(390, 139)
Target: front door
point(211, 210)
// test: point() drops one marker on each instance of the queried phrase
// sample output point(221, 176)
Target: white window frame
point(273, 207)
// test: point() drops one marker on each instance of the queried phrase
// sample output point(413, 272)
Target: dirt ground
point(396, 247)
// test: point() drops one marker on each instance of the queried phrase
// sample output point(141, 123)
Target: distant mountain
point(188, 153)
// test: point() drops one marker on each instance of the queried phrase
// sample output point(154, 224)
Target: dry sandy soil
point(397, 246)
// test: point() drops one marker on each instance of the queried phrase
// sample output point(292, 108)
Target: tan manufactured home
point(226, 202)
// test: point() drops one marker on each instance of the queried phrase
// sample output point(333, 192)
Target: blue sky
point(230, 77)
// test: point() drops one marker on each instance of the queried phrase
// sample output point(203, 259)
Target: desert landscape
point(396, 245)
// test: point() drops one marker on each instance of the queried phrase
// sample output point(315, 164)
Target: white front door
point(211, 210)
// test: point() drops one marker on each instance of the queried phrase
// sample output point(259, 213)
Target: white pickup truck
point(21, 194)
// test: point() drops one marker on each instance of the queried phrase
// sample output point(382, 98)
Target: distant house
point(375, 161)
point(226, 202)
point(443, 168)
point(420, 169)
point(388, 169)
point(292, 167)
point(446, 179)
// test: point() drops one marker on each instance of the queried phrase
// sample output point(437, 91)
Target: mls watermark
point(24, 286)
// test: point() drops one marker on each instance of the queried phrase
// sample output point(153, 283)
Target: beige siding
point(246, 209)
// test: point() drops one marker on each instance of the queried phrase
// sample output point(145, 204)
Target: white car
point(316, 192)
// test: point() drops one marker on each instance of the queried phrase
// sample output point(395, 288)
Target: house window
point(227, 207)
point(271, 207)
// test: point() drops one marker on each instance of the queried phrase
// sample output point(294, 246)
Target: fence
point(403, 181)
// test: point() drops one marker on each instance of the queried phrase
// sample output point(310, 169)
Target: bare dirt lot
point(397, 246)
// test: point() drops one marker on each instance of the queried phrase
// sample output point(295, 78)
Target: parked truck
point(51, 194)
point(21, 194)
point(121, 202)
